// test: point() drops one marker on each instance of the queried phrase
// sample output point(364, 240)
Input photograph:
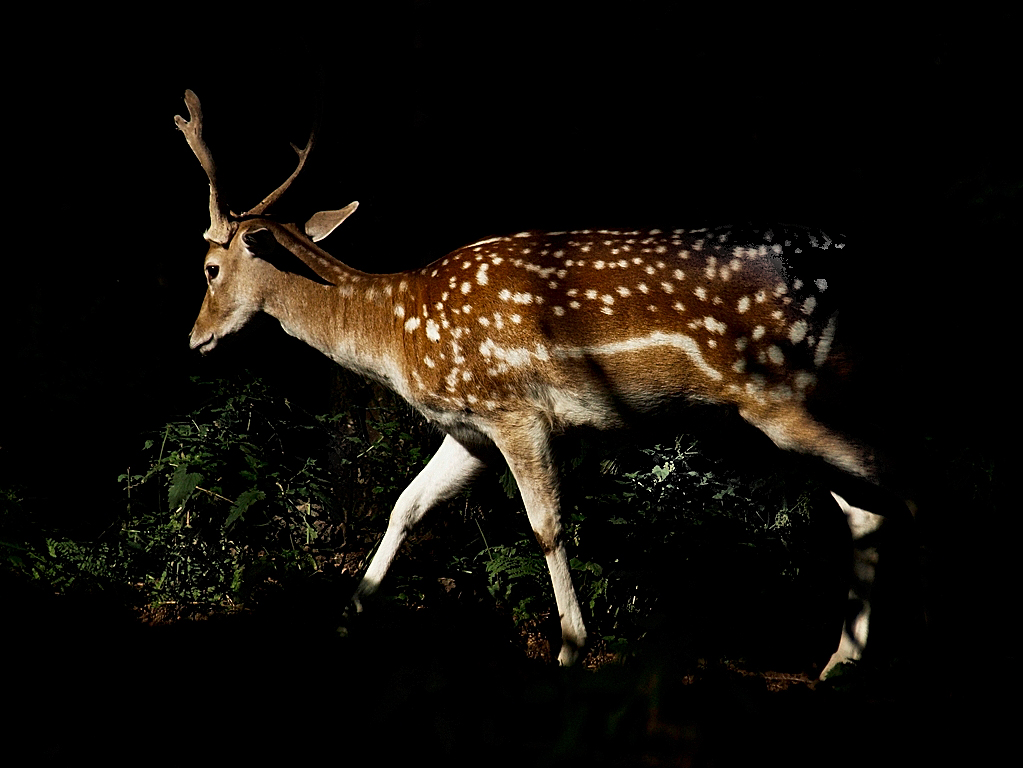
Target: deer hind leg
point(795, 429)
point(529, 458)
point(452, 469)
point(865, 528)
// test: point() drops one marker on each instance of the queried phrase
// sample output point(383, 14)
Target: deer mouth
point(203, 345)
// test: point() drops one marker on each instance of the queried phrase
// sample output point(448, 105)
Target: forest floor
point(454, 683)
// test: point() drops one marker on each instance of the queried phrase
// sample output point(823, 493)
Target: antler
point(274, 196)
point(220, 223)
point(221, 226)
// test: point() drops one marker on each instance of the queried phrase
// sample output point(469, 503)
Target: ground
point(452, 682)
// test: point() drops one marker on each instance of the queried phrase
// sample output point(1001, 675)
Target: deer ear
point(259, 242)
point(325, 222)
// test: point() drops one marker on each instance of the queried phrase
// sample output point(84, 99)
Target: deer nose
point(203, 343)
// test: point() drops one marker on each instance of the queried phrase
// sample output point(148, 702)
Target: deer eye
point(212, 270)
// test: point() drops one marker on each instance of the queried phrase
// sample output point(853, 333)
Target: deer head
point(248, 251)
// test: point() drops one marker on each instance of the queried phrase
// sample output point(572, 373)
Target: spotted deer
point(509, 341)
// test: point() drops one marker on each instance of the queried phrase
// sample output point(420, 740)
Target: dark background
point(450, 123)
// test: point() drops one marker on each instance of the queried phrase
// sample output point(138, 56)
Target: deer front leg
point(863, 525)
point(530, 462)
point(452, 469)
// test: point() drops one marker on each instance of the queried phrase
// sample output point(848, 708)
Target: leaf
point(509, 485)
point(183, 484)
point(246, 500)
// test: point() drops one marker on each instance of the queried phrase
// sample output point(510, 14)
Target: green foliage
point(229, 498)
point(247, 498)
point(234, 499)
point(629, 518)
point(22, 546)
point(517, 576)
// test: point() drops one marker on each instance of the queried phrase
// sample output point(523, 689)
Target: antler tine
point(274, 196)
point(220, 224)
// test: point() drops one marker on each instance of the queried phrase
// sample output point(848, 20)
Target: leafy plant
point(635, 514)
point(246, 497)
point(235, 498)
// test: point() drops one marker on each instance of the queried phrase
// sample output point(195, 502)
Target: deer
point(510, 341)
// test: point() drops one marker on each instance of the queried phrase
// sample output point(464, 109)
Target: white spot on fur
point(797, 331)
point(713, 325)
point(804, 379)
point(824, 344)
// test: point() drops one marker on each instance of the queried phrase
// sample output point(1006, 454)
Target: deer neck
point(351, 321)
